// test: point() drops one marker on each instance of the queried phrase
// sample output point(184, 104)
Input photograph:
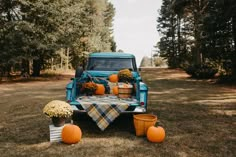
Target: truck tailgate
point(107, 100)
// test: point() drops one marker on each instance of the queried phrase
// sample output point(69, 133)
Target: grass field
point(199, 118)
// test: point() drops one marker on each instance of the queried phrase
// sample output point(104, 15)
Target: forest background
point(56, 34)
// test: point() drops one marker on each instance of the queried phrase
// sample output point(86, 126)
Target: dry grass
point(198, 116)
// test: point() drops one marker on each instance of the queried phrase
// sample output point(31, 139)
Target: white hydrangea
point(58, 108)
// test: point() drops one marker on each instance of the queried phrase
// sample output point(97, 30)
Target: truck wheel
point(77, 116)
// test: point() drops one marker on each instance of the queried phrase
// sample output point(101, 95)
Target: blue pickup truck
point(99, 67)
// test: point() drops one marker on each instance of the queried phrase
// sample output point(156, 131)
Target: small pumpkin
point(71, 134)
point(100, 89)
point(156, 134)
point(115, 90)
point(113, 78)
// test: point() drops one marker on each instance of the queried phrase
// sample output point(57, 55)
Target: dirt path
point(199, 118)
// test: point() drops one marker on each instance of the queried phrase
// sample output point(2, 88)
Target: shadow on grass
point(123, 123)
point(193, 114)
point(198, 128)
point(43, 77)
point(34, 128)
point(189, 91)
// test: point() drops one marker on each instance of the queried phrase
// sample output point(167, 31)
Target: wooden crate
point(55, 133)
point(124, 92)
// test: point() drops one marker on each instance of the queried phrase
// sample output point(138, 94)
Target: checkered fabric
point(104, 110)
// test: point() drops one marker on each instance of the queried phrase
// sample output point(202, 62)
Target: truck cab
point(99, 67)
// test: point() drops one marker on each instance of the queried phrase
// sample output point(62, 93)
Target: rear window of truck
point(111, 64)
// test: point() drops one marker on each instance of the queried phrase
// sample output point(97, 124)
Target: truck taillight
point(141, 103)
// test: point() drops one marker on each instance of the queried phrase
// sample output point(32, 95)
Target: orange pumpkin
point(113, 78)
point(155, 134)
point(100, 89)
point(115, 90)
point(71, 134)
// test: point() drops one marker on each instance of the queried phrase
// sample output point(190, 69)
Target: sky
point(135, 26)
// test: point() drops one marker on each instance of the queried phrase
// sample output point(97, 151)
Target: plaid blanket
point(103, 110)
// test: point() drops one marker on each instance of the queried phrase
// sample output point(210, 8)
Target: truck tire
point(77, 116)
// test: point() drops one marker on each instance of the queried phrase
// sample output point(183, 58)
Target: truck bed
point(106, 99)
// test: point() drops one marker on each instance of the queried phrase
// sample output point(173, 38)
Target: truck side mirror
point(78, 72)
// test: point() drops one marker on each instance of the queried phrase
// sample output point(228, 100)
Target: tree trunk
point(36, 67)
point(172, 62)
point(9, 15)
point(61, 63)
point(67, 58)
point(25, 67)
point(178, 34)
point(52, 63)
point(234, 52)
point(197, 54)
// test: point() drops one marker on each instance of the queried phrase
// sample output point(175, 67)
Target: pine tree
point(36, 30)
point(167, 28)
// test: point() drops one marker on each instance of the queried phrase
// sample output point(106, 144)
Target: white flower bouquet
point(58, 108)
